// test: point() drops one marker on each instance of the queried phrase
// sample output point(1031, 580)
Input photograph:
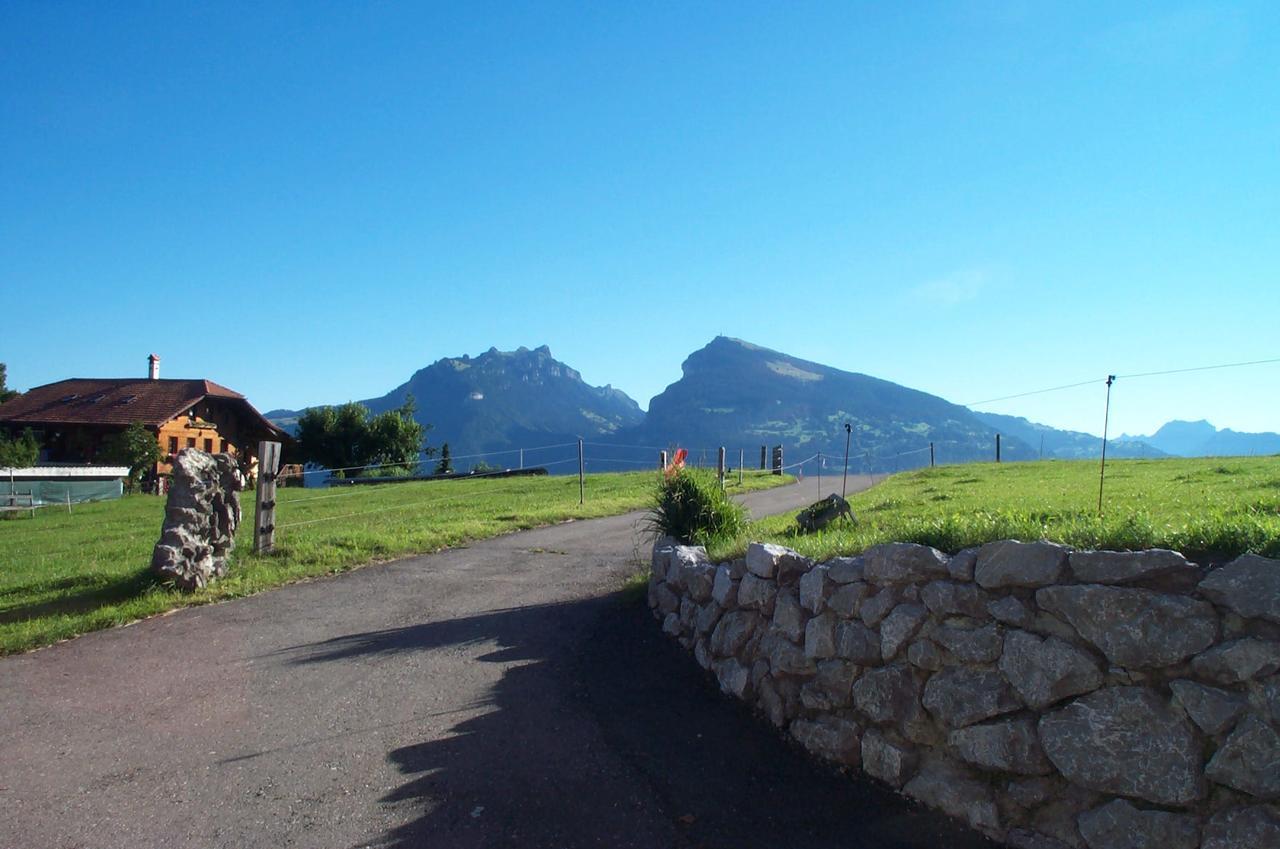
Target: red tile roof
point(116, 401)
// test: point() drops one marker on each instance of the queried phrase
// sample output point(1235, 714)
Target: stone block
point(1248, 585)
point(1045, 671)
point(958, 696)
point(1020, 564)
point(903, 563)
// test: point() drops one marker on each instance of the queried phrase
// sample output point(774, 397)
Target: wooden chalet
point(72, 418)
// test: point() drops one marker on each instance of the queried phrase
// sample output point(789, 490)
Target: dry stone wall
point(1048, 697)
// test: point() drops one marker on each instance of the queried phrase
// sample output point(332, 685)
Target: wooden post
point(582, 471)
point(777, 459)
point(68, 499)
point(819, 475)
point(662, 460)
point(720, 466)
point(931, 455)
point(997, 448)
point(763, 458)
point(264, 522)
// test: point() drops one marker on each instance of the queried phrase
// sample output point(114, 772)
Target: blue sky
point(309, 201)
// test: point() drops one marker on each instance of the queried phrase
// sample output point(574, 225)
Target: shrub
point(690, 506)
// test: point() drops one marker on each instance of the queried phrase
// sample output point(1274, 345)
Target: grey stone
point(688, 612)
point(1237, 661)
point(1121, 825)
point(887, 694)
point(1249, 760)
point(788, 616)
point(958, 696)
point(1009, 745)
point(1213, 710)
point(661, 556)
point(671, 625)
point(1126, 741)
point(847, 599)
point(857, 643)
point(903, 563)
point(925, 654)
point(762, 559)
point(946, 598)
point(1010, 611)
point(1125, 567)
point(877, 607)
point(690, 570)
point(815, 587)
point(791, 568)
point(1020, 564)
point(654, 584)
point(846, 570)
point(1134, 628)
point(970, 645)
point(772, 702)
point(201, 515)
point(667, 601)
point(1033, 791)
point(899, 627)
point(831, 738)
point(1044, 671)
point(734, 678)
point(882, 758)
point(733, 631)
point(831, 688)
point(960, 567)
point(1266, 699)
point(820, 637)
point(785, 657)
point(724, 590)
point(707, 617)
point(702, 653)
point(947, 786)
point(1254, 827)
point(1025, 838)
point(757, 594)
point(1248, 585)
point(1058, 817)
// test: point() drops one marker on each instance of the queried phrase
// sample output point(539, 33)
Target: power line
point(1033, 392)
point(1197, 368)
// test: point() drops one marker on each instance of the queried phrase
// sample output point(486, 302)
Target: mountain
point(1067, 444)
point(742, 396)
point(505, 400)
point(1201, 439)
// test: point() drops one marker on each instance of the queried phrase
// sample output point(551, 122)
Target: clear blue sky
point(309, 201)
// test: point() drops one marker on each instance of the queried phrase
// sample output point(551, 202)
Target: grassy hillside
point(64, 574)
point(1209, 509)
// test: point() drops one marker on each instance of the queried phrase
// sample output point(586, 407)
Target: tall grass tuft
point(690, 506)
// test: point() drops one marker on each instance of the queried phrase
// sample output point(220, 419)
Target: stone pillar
point(200, 519)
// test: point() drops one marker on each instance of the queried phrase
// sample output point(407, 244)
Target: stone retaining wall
point(1048, 697)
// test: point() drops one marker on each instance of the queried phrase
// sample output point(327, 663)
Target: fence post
point(582, 470)
point(522, 458)
point(997, 448)
point(662, 460)
point(777, 459)
point(931, 455)
point(742, 456)
point(720, 466)
point(264, 523)
point(763, 458)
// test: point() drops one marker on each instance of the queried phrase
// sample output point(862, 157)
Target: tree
point(445, 466)
point(5, 392)
point(348, 437)
point(135, 447)
point(19, 452)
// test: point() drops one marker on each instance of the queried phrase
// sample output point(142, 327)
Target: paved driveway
point(496, 695)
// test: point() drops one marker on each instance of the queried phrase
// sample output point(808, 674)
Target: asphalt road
point(502, 694)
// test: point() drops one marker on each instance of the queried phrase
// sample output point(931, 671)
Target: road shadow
point(607, 734)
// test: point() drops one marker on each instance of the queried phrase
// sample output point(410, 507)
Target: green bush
point(690, 506)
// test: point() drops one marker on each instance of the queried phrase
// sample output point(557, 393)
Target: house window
point(173, 445)
point(191, 442)
point(224, 447)
point(208, 445)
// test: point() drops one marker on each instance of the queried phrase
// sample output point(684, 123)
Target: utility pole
point(997, 448)
point(582, 486)
point(1106, 420)
point(844, 485)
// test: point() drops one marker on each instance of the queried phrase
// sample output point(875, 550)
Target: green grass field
point(65, 574)
point(1209, 509)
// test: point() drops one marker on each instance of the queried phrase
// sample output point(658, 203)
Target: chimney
point(153, 367)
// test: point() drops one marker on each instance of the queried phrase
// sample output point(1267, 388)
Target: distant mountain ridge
point(1068, 444)
point(1201, 439)
point(742, 395)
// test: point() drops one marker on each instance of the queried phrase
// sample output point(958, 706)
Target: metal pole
point(844, 484)
point(662, 460)
point(582, 486)
point(742, 456)
point(819, 475)
point(1106, 420)
point(720, 466)
point(522, 458)
point(997, 448)
point(931, 455)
